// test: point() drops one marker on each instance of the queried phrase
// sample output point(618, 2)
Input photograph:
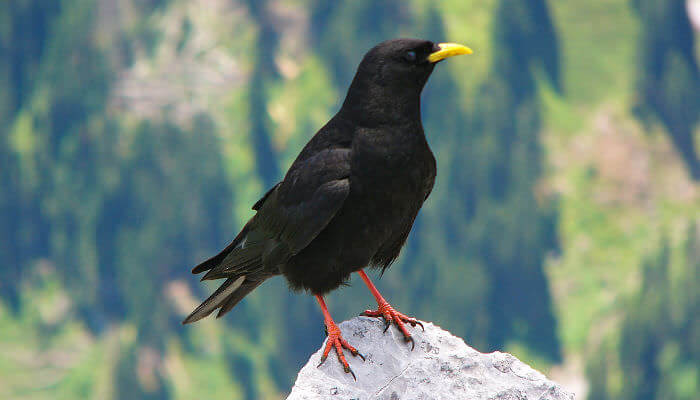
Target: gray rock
point(441, 366)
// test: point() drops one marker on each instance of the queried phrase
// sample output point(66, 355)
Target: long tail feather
point(241, 264)
point(240, 259)
point(216, 300)
point(217, 259)
point(237, 296)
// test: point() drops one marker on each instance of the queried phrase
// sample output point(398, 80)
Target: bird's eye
point(410, 56)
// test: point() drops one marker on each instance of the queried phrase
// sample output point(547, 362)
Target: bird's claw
point(358, 354)
point(415, 322)
point(410, 339)
point(335, 340)
point(323, 359)
point(347, 369)
point(389, 314)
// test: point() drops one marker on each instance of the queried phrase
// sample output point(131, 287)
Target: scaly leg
point(386, 311)
point(335, 339)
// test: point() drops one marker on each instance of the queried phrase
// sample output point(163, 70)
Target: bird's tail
point(224, 298)
point(240, 263)
point(217, 259)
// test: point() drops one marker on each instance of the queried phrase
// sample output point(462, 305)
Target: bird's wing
point(301, 206)
point(289, 216)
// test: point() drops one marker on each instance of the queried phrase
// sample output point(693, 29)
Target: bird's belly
point(352, 238)
point(387, 214)
point(372, 216)
point(381, 206)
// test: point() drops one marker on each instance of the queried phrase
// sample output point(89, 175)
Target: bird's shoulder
point(313, 189)
point(300, 206)
point(336, 134)
point(326, 157)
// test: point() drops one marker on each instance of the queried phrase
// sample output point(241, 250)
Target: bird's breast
point(401, 160)
point(390, 174)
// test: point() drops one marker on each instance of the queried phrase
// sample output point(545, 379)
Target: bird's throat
point(372, 104)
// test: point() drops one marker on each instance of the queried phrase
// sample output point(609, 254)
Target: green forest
point(135, 136)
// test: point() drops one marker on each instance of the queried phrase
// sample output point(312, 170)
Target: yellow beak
point(448, 50)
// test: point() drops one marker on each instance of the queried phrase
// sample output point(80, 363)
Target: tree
point(668, 81)
point(23, 234)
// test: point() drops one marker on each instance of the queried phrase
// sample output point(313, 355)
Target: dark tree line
point(668, 82)
point(119, 210)
point(659, 343)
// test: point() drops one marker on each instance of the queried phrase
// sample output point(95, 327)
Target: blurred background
point(136, 135)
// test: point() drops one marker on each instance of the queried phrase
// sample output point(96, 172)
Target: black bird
point(349, 199)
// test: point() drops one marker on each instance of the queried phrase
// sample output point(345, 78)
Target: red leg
point(386, 311)
point(335, 339)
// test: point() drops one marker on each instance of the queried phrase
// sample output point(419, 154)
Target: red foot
point(386, 311)
point(335, 339)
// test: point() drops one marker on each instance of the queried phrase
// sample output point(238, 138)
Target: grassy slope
point(620, 188)
point(598, 53)
point(43, 353)
point(617, 185)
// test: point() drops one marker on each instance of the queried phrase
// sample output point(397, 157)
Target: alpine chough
point(349, 199)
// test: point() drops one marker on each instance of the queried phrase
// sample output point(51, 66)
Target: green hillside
point(135, 136)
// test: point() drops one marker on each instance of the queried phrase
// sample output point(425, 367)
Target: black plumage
point(350, 198)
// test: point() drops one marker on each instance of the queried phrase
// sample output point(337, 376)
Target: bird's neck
point(371, 104)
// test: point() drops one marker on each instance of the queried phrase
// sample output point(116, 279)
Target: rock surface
point(441, 366)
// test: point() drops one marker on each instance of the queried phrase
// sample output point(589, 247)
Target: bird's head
point(406, 63)
point(392, 74)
